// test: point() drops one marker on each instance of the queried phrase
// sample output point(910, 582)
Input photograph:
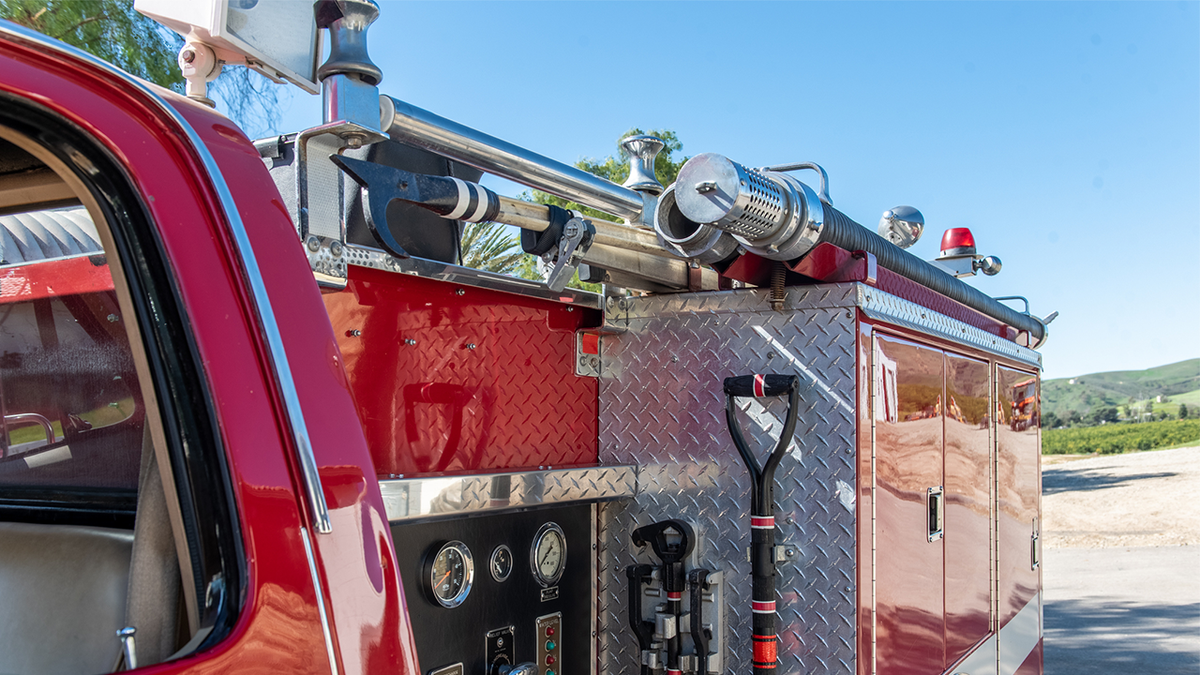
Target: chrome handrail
point(29, 418)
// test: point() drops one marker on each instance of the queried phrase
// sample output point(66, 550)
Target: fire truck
point(257, 418)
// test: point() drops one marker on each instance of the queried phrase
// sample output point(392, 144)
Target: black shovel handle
point(759, 386)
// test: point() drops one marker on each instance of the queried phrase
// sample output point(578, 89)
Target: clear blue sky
point(1066, 136)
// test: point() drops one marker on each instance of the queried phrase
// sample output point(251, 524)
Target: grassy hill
point(1087, 392)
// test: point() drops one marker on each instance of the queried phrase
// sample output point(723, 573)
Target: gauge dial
point(501, 564)
point(548, 555)
point(451, 574)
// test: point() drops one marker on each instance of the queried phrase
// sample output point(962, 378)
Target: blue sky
point(1066, 136)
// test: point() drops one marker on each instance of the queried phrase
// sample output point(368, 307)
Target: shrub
point(1118, 438)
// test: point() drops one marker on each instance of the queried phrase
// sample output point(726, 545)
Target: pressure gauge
point(501, 564)
point(451, 574)
point(548, 555)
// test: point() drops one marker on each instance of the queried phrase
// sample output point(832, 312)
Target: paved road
point(1115, 603)
point(1113, 611)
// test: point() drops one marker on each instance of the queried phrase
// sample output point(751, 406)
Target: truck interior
point(90, 541)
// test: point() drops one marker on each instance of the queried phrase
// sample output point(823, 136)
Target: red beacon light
point(958, 241)
point(958, 256)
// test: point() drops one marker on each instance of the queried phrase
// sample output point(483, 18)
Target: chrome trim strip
point(366, 256)
point(1020, 636)
point(887, 307)
point(262, 302)
point(320, 590)
point(431, 497)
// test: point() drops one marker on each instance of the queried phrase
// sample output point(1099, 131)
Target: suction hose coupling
point(769, 213)
point(689, 239)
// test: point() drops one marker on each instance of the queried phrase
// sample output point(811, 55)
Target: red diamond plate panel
point(453, 378)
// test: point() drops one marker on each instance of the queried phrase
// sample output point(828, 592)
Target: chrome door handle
point(935, 501)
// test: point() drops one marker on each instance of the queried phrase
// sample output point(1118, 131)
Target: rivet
point(354, 332)
point(790, 521)
point(313, 244)
point(410, 341)
point(570, 309)
point(113, 318)
point(471, 345)
point(460, 292)
point(790, 552)
point(335, 248)
point(674, 358)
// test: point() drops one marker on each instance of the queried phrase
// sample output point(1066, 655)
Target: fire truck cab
point(255, 418)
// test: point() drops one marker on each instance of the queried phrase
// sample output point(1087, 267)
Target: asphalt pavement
point(1113, 609)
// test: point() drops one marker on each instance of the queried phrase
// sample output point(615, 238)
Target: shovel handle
point(759, 386)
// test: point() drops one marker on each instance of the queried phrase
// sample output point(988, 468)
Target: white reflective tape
point(1020, 636)
point(981, 661)
point(60, 454)
point(483, 204)
point(464, 198)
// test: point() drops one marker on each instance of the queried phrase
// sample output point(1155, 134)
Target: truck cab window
point(91, 537)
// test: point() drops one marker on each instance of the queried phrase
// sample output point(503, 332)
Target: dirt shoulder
point(1139, 499)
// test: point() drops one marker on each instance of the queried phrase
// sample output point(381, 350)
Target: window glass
point(72, 412)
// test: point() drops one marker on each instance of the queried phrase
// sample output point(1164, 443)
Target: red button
point(550, 660)
point(549, 631)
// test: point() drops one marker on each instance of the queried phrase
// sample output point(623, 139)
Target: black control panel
point(507, 589)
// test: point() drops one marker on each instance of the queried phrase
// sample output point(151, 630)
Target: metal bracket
point(577, 238)
point(783, 553)
point(587, 354)
point(320, 200)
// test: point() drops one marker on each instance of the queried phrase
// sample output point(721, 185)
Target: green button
point(549, 672)
point(550, 647)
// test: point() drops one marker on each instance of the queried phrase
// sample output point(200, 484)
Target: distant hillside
point(1087, 392)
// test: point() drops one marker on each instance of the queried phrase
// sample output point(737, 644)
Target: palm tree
point(490, 247)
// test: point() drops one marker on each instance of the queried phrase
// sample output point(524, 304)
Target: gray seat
point(62, 597)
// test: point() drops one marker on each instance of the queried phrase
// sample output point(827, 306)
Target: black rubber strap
point(538, 243)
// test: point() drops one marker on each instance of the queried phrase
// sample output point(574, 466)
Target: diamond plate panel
point(448, 378)
point(887, 307)
point(446, 496)
point(661, 407)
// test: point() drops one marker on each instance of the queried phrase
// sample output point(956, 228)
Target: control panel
point(549, 644)
point(504, 594)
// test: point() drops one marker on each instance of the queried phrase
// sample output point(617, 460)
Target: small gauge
point(502, 563)
point(451, 573)
point(548, 555)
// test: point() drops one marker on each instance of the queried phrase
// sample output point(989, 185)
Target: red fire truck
point(257, 419)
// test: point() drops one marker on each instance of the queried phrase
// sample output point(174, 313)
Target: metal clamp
point(577, 238)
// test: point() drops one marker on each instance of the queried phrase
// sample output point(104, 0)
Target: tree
point(614, 168)
point(1050, 421)
point(1183, 411)
point(115, 32)
point(1074, 418)
point(489, 247)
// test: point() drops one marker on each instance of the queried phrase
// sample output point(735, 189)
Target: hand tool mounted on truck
point(762, 504)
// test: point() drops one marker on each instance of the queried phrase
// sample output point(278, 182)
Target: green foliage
point(110, 29)
point(916, 397)
point(113, 31)
point(616, 169)
point(1118, 438)
point(479, 249)
point(1183, 411)
point(489, 247)
point(1115, 388)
